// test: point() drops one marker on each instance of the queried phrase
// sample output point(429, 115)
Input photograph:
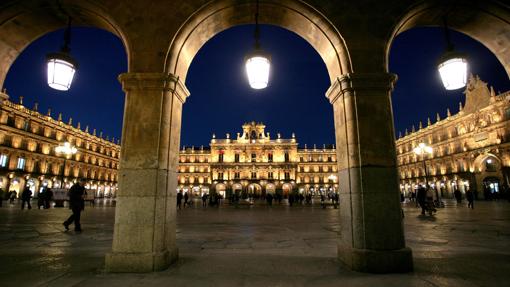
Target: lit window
point(21, 163)
point(3, 160)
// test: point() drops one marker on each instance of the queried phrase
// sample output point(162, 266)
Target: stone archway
point(366, 155)
point(22, 24)
point(485, 21)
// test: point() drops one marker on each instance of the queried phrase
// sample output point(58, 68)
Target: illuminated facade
point(254, 164)
point(471, 149)
point(28, 157)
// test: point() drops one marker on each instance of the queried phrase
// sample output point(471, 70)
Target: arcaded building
point(28, 156)
point(470, 150)
point(253, 163)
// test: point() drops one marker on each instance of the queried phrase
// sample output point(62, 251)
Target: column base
point(377, 261)
point(118, 262)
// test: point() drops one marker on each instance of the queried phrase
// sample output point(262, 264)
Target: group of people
point(76, 201)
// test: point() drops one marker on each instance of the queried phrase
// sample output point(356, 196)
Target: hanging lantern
point(452, 65)
point(453, 70)
point(258, 62)
point(61, 67)
point(258, 66)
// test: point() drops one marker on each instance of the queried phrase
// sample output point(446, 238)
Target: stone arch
point(365, 155)
point(293, 15)
point(480, 159)
point(485, 21)
point(22, 23)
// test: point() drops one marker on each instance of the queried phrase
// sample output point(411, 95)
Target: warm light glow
point(66, 149)
point(422, 148)
point(257, 69)
point(489, 161)
point(453, 73)
point(61, 69)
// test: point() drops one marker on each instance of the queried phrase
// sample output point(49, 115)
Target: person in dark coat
point(1, 196)
point(76, 204)
point(470, 198)
point(421, 197)
point(26, 195)
point(48, 196)
point(186, 198)
point(179, 199)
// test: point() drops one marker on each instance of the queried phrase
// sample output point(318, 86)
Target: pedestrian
point(76, 204)
point(26, 195)
point(458, 195)
point(470, 199)
point(204, 200)
point(421, 197)
point(12, 196)
point(179, 199)
point(48, 196)
point(40, 198)
point(269, 199)
point(2, 194)
point(186, 197)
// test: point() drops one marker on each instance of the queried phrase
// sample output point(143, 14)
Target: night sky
point(221, 100)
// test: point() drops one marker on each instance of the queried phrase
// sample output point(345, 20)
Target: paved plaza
point(256, 246)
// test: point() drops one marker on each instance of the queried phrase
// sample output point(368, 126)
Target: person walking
point(1, 196)
point(470, 198)
point(48, 196)
point(186, 198)
point(179, 199)
point(26, 195)
point(12, 196)
point(421, 197)
point(204, 200)
point(76, 204)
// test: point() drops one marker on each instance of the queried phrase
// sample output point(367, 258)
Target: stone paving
point(256, 246)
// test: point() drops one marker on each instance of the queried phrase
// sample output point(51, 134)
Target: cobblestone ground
point(256, 246)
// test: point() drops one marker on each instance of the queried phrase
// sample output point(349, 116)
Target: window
point(21, 163)
point(236, 157)
point(220, 157)
point(220, 175)
point(253, 174)
point(3, 160)
point(329, 158)
point(301, 159)
point(270, 175)
point(237, 175)
point(286, 157)
point(287, 175)
point(26, 125)
point(270, 157)
point(253, 157)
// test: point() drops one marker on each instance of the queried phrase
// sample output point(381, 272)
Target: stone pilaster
point(145, 217)
point(372, 235)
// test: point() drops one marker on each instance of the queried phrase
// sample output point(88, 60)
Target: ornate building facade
point(470, 150)
point(28, 156)
point(254, 164)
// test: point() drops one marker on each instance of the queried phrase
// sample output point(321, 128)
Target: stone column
point(145, 215)
point(372, 235)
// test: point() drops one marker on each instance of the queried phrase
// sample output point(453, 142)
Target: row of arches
point(16, 184)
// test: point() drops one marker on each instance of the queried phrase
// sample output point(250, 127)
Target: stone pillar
point(145, 215)
point(372, 235)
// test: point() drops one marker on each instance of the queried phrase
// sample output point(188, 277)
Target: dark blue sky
point(221, 100)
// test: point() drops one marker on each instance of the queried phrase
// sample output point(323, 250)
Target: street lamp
point(423, 149)
point(61, 66)
point(258, 62)
point(66, 149)
point(452, 65)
